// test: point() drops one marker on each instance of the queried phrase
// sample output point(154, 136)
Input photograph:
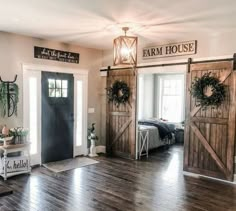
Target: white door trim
point(51, 68)
point(29, 69)
point(35, 158)
point(81, 150)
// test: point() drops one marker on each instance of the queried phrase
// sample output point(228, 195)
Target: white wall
point(219, 44)
point(16, 50)
point(147, 96)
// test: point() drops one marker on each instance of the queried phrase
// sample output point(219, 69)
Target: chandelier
point(125, 49)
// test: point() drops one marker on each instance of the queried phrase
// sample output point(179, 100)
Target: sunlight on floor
point(77, 181)
point(172, 171)
point(34, 192)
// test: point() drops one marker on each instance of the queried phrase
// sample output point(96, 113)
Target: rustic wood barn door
point(210, 133)
point(121, 121)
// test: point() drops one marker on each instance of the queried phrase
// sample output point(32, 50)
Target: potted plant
point(19, 134)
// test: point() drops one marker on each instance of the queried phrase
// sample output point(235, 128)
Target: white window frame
point(35, 71)
point(35, 158)
point(79, 150)
point(159, 100)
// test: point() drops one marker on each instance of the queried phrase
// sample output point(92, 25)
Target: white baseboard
point(199, 176)
point(101, 149)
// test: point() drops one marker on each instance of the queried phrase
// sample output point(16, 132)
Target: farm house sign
point(176, 49)
point(56, 55)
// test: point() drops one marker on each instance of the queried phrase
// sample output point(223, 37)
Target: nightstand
point(179, 135)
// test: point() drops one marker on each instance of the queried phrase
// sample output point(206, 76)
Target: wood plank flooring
point(4, 190)
point(156, 184)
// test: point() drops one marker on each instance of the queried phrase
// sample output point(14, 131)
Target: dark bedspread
point(165, 129)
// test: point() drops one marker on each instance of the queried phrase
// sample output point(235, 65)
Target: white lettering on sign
point(57, 55)
point(176, 49)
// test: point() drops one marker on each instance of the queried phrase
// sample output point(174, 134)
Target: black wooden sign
point(56, 55)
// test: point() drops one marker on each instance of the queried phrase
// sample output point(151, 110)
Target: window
point(79, 108)
point(33, 114)
point(57, 88)
point(171, 97)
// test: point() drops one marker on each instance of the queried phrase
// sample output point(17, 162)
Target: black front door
point(57, 116)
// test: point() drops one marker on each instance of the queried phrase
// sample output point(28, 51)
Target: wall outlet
point(103, 73)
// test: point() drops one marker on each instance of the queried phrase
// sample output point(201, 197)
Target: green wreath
point(118, 93)
point(217, 91)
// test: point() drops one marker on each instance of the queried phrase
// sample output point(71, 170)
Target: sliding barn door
point(121, 128)
point(210, 133)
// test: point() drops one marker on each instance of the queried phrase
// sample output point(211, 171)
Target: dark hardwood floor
point(116, 184)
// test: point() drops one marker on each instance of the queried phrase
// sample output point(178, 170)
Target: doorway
point(161, 108)
point(57, 116)
point(209, 133)
point(33, 109)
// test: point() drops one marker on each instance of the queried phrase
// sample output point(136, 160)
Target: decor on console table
point(16, 135)
point(15, 152)
point(5, 138)
point(19, 134)
point(92, 137)
point(5, 131)
point(11, 166)
point(208, 91)
point(118, 93)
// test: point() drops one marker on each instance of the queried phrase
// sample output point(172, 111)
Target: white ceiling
point(95, 23)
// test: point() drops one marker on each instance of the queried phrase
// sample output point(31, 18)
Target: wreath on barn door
point(118, 93)
point(208, 91)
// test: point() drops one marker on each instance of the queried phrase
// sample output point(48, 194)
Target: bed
point(160, 133)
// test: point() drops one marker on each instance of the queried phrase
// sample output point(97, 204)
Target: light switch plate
point(91, 110)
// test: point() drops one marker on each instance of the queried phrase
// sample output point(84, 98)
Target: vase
point(5, 131)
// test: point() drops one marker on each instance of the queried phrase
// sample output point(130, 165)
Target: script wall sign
point(15, 164)
point(56, 55)
point(176, 49)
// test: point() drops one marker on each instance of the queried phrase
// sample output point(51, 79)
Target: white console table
point(25, 153)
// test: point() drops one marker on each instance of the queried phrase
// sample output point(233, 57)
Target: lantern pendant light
point(125, 49)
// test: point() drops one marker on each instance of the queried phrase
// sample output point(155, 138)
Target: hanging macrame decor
point(208, 91)
point(9, 97)
point(118, 93)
